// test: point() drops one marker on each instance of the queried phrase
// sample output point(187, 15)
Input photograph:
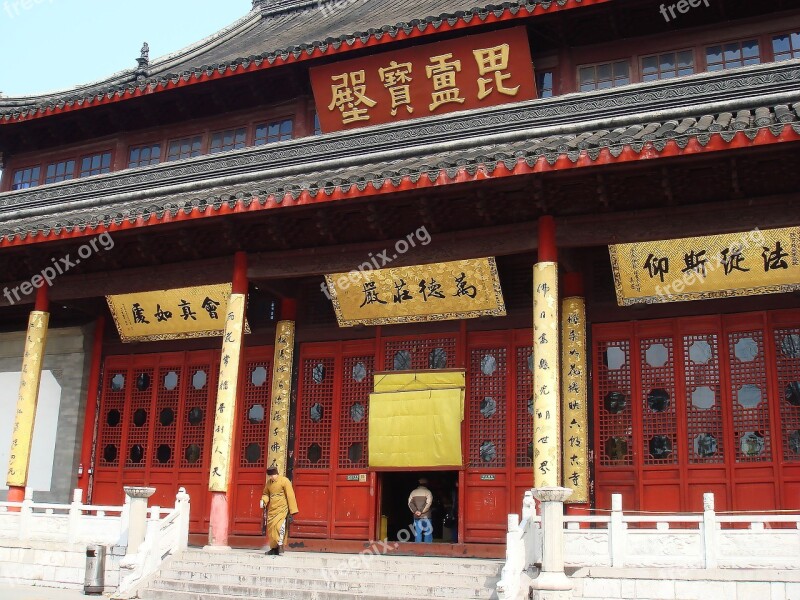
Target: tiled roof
point(636, 142)
point(261, 41)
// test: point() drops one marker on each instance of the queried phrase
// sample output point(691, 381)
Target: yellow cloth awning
point(408, 382)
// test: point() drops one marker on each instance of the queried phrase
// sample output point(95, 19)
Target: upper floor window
point(544, 84)
point(26, 178)
point(668, 65)
point(142, 156)
point(60, 171)
point(277, 131)
point(232, 139)
point(732, 55)
point(96, 164)
point(185, 148)
point(604, 76)
point(786, 46)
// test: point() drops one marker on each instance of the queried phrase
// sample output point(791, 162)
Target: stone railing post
point(74, 519)
point(182, 503)
point(617, 531)
point(552, 583)
point(137, 516)
point(26, 515)
point(709, 532)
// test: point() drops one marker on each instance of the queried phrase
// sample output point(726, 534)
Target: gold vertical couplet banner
point(22, 436)
point(546, 390)
point(575, 416)
point(281, 396)
point(225, 413)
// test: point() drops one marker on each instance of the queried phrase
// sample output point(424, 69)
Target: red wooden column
point(227, 392)
point(90, 413)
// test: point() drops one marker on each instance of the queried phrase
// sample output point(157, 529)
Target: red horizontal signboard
point(432, 79)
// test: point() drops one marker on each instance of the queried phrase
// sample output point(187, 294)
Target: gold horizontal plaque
point(702, 268)
point(461, 289)
point(192, 312)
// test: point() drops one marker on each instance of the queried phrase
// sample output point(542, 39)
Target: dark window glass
point(232, 139)
point(544, 83)
point(668, 65)
point(167, 417)
point(252, 453)
point(110, 453)
point(786, 46)
point(604, 76)
point(26, 178)
point(142, 156)
point(732, 55)
point(277, 131)
point(163, 454)
point(113, 418)
point(96, 164)
point(185, 148)
point(192, 453)
point(61, 171)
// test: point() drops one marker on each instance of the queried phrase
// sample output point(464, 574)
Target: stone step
point(278, 595)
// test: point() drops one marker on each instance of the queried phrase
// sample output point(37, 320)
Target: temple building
point(530, 244)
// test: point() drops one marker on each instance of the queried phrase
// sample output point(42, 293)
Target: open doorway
point(395, 489)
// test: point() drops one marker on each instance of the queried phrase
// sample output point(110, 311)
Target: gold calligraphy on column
point(546, 391)
point(575, 449)
point(225, 412)
point(22, 435)
point(281, 396)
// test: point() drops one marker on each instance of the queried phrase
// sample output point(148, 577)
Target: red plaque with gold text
point(433, 79)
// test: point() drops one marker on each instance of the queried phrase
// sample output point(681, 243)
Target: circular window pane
point(196, 416)
point(358, 412)
point(703, 398)
point(616, 448)
point(402, 361)
point(660, 447)
point(790, 345)
point(488, 451)
point(705, 445)
point(199, 380)
point(530, 406)
point(657, 355)
point(110, 453)
point(700, 352)
point(752, 443)
point(142, 382)
point(167, 417)
point(746, 349)
point(252, 453)
point(355, 452)
point(192, 454)
point(314, 453)
point(316, 412)
point(614, 358)
point(792, 393)
point(530, 363)
point(489, 365)
point(136, 454)
point(749, 396)
point(256, 414)
point(359, 372)
point(318, 373)
point(488, 407)
point(163, 454)
point(170, 381)
point(113, 418)
point(259, 376)
point(794, 441)
point(118, 382)
point(658, 400)
point(615, 402)
point(140, 417)
point(437, 359)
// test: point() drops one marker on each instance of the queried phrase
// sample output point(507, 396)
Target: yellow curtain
point(408, 382)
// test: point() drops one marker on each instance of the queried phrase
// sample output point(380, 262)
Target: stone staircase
point(200, 575)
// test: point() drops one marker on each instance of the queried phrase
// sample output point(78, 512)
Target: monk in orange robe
point(281, 504)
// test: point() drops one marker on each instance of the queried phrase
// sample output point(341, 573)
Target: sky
point(50, 45)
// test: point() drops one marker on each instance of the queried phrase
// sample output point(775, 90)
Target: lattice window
point(255, 418)
point(314, 420)
point(613, 403)
point(658, 401)
point(115, 386)
point(357, 383)
point(165, 419)
point(524, 406)
point(420, 354)
point(198, 413)
point(787, 345)
point(488, 376)
point(140, 419)
point(749, 397)
point(706, 440)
